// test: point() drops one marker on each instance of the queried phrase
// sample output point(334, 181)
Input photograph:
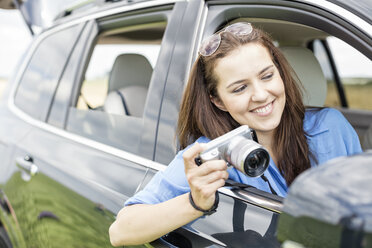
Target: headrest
point(126, 101)
point(130, 69)
point(308, 70)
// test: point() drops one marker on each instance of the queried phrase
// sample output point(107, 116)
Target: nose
point(259, 93)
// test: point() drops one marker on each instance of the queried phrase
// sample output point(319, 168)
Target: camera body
point(239, 148)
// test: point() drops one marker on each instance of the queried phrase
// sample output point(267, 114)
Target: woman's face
point(250, 87)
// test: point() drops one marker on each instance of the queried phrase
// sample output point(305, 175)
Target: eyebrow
point(265, 69)
point(242, 80)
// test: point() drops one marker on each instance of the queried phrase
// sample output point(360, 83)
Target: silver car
point(90, 114)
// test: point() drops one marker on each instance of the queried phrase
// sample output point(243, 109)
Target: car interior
point(128, 84)
point(130, 75)
point(124, 90)
point(318, 88)
point(309, 73)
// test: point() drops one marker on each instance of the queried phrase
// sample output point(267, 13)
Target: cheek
point(278, 88)
point(237, 105)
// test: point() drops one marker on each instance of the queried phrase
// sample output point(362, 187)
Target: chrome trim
point(253, 199)
point(88, 142)
point(342, 13)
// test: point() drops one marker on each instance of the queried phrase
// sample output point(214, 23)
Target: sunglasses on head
point(210, 45)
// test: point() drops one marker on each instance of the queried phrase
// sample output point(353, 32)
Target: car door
point(72, 171)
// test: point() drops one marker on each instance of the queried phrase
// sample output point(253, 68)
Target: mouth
point(264, 110)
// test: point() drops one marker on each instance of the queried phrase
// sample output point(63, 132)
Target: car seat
point(128, 85)
point(309, 72)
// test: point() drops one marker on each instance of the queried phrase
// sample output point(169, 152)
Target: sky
point(15, 39)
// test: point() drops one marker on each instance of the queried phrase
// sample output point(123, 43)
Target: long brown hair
point(200, 117)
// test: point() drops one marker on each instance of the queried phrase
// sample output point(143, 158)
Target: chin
point(270, 127)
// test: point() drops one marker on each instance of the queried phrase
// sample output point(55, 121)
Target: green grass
point(80, 222)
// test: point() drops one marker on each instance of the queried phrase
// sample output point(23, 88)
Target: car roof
point(42, 14)
point(361, 8)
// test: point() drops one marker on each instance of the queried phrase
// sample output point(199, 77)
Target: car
point(90, 113)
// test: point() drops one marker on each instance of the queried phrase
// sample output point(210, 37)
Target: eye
point(240, 88)
point(268, 76)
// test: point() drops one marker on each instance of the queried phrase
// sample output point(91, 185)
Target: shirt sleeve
point(330, 135)
point(164, 186)
point(345, 133)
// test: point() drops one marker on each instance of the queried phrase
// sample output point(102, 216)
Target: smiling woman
point(250, 94)
point(239, 78)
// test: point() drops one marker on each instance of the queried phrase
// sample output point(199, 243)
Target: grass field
point(93, 92)
point(359, 96)
point(76, 221)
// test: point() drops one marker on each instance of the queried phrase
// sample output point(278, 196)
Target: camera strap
point(231, 183)
point(268, 182)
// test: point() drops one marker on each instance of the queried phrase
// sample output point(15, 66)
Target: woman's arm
point(142, 223)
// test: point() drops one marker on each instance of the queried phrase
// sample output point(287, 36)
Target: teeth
point(263, 110)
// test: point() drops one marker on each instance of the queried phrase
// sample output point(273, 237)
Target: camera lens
point(256, 162)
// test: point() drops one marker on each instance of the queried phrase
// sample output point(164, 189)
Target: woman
point(239, 78)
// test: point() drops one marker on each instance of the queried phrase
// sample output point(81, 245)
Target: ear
point(218, 103)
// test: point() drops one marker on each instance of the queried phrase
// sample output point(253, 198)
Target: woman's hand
point(204, 180)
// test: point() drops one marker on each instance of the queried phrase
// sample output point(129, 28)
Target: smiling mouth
point(265, 110)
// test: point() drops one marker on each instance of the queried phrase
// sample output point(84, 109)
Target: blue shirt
point(330, 135)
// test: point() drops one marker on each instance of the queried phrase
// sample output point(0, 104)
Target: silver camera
point(239, 148)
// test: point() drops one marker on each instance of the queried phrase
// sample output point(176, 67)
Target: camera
point(239, 148)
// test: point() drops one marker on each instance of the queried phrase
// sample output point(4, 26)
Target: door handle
point(27, 166)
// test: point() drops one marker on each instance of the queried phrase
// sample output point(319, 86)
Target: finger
point(208, 190)
point(211, 166)
point(200, 174)
point(216, 175)
point(190, 154)
point(199, 182)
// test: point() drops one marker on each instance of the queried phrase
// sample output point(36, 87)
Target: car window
point(95, 87)
point(37, 86)
point(354, 70)
point(110, 103)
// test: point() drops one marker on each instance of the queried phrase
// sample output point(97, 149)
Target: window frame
point(148, 124)
point(48, 96)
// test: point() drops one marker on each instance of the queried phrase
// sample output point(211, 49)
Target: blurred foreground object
point(331, 205)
